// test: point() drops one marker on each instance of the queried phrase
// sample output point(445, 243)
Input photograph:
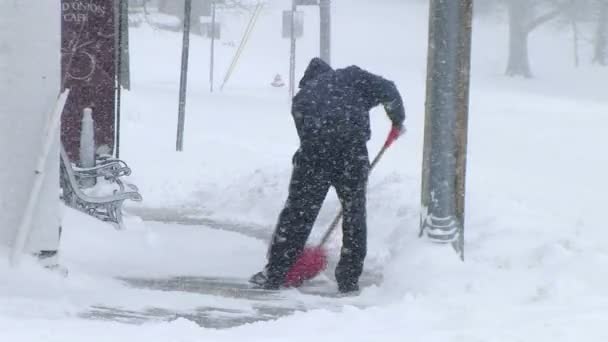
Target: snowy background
point(536, 239)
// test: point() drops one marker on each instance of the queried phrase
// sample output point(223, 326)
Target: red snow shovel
point(313, 260)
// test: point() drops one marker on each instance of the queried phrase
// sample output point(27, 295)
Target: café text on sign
point(79, 10)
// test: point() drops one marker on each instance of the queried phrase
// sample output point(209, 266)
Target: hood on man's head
point(316, 67)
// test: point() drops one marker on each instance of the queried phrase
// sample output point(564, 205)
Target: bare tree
point(576, 15)
point(573, 15)
point(522, 21)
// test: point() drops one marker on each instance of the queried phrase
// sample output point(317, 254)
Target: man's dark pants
point(316, 167)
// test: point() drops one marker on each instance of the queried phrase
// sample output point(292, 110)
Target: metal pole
point(600, 54)
point(292, 51)
point(444, 159)
point(118, 71)
point(325, 30)
point(211, 58)
point(183, 77)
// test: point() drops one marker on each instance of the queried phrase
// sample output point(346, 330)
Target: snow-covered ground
point(535, 237)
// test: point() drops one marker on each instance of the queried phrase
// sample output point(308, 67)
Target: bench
point(104, 206)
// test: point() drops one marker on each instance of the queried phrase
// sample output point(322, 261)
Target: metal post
point(600, 54)
point(183, 77)
point(292, 54)
point(444, 162)
point(325, 30)
point(211, 58)
point(118, 70)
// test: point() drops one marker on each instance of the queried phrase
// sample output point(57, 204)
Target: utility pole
point(117, 68)
point(211, 58)
point(181, 116)
point(121, 63)
point(325, 30)
point(445, 132)
point(600, 54)
point(292, 50)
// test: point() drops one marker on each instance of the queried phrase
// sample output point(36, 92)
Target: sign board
point(307, 2)
point(200, 8)
point(207, 30)
point(298, 21)
point(88, 69)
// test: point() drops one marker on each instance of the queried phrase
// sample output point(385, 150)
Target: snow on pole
point(181, 116)
point(445, 136)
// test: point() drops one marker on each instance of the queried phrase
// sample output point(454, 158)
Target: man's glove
point(394, 134)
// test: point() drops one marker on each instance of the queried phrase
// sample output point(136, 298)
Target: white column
point(30, 43)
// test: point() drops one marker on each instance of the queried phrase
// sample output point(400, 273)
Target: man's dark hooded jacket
point(335, 104)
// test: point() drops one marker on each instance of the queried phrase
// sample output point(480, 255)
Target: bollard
point(87, 146)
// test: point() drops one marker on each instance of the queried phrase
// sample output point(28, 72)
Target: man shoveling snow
point(331, 114)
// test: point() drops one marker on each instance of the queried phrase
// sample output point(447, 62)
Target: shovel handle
point(392, 136)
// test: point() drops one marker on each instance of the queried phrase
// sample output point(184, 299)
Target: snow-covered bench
point(103, 201)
